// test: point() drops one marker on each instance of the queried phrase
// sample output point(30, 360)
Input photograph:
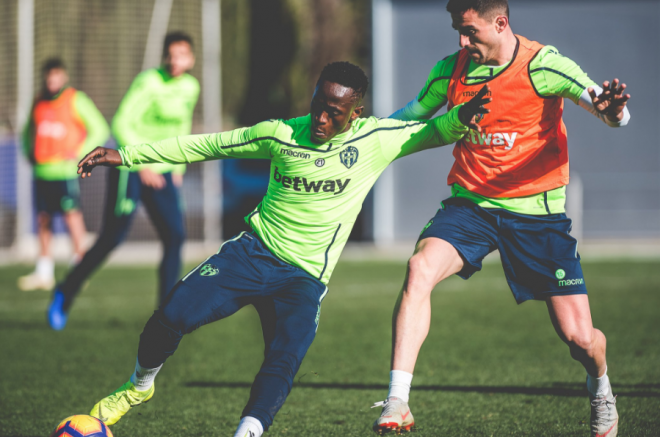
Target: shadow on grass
point(556, 389)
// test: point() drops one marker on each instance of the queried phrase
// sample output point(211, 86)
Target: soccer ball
point(81, 426)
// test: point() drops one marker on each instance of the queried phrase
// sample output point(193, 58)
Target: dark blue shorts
point(539, 255)
point(244, 272)
point(57, 196)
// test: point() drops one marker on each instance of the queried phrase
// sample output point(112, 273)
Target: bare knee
point(421, 277)
point(433, 261)
point(581, 343)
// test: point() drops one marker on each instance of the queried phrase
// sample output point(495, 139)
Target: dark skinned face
point(334, 107)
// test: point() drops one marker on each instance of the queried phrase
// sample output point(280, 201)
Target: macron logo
point(294, 153)
point(507, 139)
point(567, 282)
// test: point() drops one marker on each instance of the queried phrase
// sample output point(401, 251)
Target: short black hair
point(53, 64)
point(485, 8)
point(346, 74)
point(174, 37)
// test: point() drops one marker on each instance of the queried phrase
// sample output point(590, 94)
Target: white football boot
point(34, 281)
point(604, 418)
point(395, 417)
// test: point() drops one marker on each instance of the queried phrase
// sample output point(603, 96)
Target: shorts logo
point(209, 270)
point(67, 203)
point(320, 162)
point(349, 156)
point(560, 274)
point(568, 282)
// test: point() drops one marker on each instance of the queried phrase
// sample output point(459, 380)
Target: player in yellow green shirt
point(159, 104)
point(322, 167)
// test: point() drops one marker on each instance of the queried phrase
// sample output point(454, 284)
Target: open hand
point(470, 112)
point(98, 156)
point(611, 101)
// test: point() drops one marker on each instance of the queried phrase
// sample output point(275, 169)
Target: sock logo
point(209, 270)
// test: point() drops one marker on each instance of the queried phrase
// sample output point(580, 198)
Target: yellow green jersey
point(315, 190)
point(156, 106)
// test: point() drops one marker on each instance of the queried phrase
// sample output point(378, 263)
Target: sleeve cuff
point(624, 121)
point(124, 158)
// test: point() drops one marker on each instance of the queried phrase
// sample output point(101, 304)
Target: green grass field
point(488, 368)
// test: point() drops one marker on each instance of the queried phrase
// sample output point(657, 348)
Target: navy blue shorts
point(57, 196)
point(245, 272)
point(539, 255)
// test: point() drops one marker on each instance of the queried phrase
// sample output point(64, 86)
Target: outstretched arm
point(253, 142)
point(440, 131)
point(554, 75)
point(433, 95)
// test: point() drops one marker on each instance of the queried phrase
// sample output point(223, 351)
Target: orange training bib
point(59, 133)
point(522, 149)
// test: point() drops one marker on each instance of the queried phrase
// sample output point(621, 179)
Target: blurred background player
point(508, 193)
point(63, 126)
point(158, 105)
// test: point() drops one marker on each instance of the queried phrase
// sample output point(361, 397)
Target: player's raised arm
point(443, 130)
point(554, 75)
point(433, 95)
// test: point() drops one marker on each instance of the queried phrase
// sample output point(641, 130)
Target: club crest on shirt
point(209, 270)
point(349, 156)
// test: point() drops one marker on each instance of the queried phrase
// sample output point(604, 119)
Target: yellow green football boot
point(111, 408)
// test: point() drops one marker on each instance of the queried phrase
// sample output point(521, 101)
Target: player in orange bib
point(64, 124)
point(508, 193)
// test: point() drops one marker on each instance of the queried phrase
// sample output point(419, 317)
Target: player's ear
point(357, 112)
point(501, 23)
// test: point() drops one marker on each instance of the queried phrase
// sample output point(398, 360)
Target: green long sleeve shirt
point(315, 191)
point(97, 134)
point(156, 106)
